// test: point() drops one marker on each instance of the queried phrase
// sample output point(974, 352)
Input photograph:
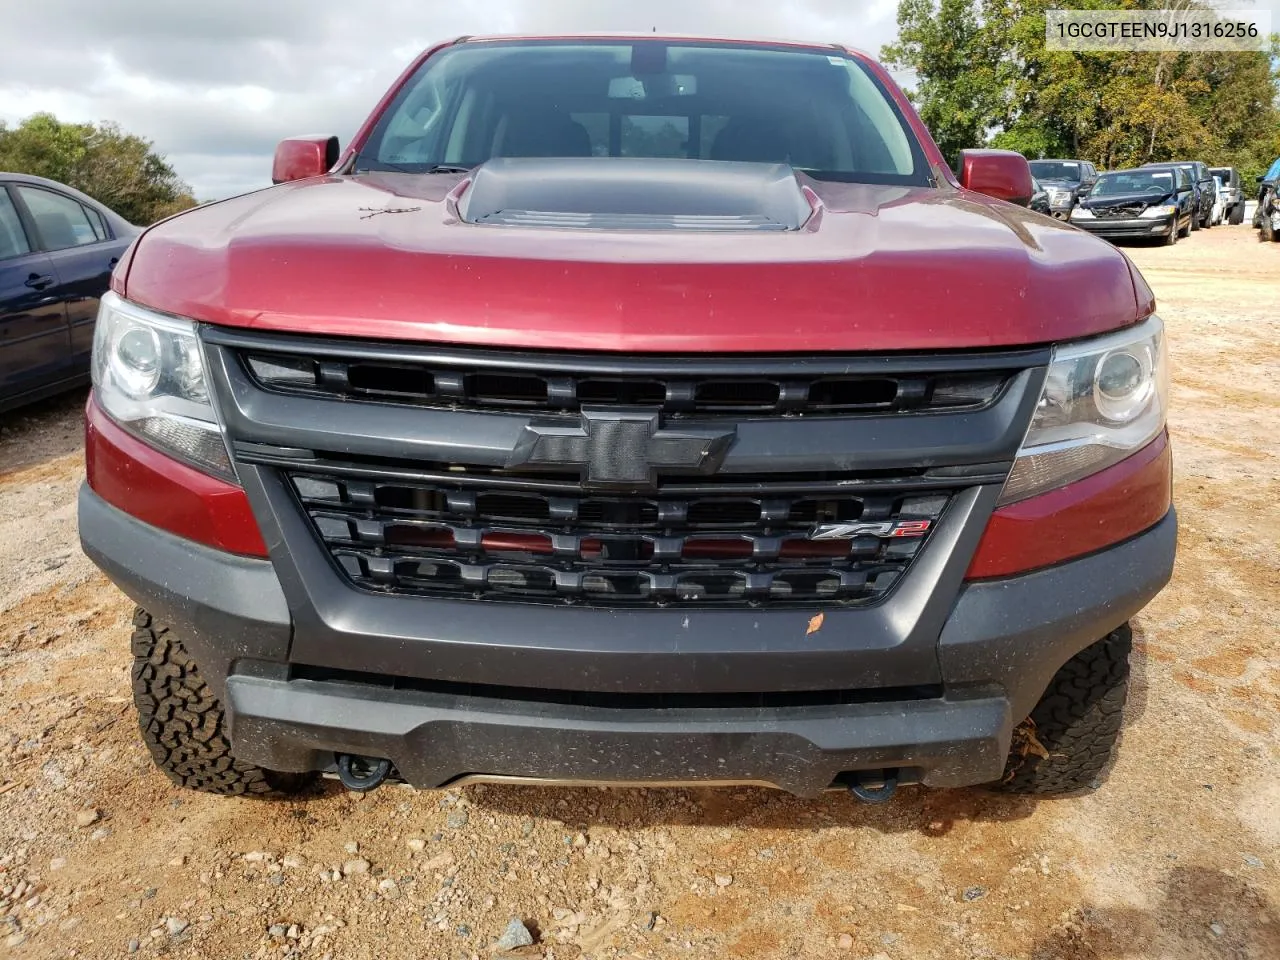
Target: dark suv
point(592, 418)
point(1064, 181)
point(1203, 190)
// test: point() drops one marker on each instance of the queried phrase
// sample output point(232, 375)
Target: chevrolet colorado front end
point(624, 410)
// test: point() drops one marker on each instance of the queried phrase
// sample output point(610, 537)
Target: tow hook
point(872, 789)
point(362, 774)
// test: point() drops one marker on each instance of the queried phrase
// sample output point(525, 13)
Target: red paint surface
point(164, 492)
point(1002, 174)
point(300, 157)
point(1112, 505)
point(884, 268)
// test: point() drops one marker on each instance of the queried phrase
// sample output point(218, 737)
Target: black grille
point(526, 389)
point(468, 540)
point(1120, 211)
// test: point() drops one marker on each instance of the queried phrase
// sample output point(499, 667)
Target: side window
point(60, 221)
point(13, 240)
point(97, 223)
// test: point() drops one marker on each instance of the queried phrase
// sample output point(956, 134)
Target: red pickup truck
point(631, 409)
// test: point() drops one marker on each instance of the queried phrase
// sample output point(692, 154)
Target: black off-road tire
point(184, 725)
point(1237, 215)
point(1068, 739)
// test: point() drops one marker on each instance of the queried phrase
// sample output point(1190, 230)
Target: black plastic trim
point(892, 643)
point(611, 364)
point(768, 445)
point(432, 739)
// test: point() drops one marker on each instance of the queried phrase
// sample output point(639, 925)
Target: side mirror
point(1002, 174)
point(301, 157)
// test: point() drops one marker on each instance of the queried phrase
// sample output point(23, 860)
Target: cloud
point(216, 85)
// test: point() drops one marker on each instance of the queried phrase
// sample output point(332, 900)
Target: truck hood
point(392, 255)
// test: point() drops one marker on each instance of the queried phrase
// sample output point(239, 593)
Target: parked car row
point(1164, 201)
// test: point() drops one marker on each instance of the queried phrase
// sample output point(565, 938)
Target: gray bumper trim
point(434, 739)
point(228, 607)
point(1018, 631)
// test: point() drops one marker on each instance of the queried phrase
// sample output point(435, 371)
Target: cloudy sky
point(216, 83)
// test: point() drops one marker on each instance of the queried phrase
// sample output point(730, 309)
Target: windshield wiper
point(383, 165)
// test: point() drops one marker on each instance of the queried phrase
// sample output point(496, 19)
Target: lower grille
point(1122, 211)
point(501, 543)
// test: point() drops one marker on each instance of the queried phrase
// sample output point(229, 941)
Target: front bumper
point(1134, 229)
point(604, 718)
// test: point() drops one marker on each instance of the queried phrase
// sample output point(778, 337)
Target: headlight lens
point(1081, 213)
point(1103, 399)
point(148, 375)
point(1163, 210)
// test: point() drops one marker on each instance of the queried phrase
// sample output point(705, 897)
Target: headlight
point(148, 375)
point(1082, 213)
point(1164, 210)
point(1103, 399)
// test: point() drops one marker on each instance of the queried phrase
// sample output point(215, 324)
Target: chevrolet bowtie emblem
point(621, 449)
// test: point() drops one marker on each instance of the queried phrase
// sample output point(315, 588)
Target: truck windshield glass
point(1119, 184)
point(1055, 170)
point(820, 111)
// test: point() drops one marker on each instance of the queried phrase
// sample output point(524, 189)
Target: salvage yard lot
point(1177, 855)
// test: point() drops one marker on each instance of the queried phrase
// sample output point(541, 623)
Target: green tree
point(1116, 109)
point(116, 168)
point(961, 81)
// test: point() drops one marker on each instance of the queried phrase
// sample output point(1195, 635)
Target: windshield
point(1133, 181)
point(1055, 170)
point(1222, 173)
point(819, 111)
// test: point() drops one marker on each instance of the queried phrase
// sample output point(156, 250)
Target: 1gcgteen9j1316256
point(631, 409)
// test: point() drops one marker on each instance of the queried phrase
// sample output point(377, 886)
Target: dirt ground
point(1176, 856)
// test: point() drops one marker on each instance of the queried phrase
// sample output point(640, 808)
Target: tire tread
point(184, 725)
point(1068, 740)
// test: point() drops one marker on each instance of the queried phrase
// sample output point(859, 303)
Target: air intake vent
point(610, 193)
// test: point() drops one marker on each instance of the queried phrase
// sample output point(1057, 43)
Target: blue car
point(57, 250)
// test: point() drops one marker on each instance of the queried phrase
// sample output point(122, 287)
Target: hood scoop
point(609, 193)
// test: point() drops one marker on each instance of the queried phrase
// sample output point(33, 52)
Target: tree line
point(985, 78)
point(118, 169)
